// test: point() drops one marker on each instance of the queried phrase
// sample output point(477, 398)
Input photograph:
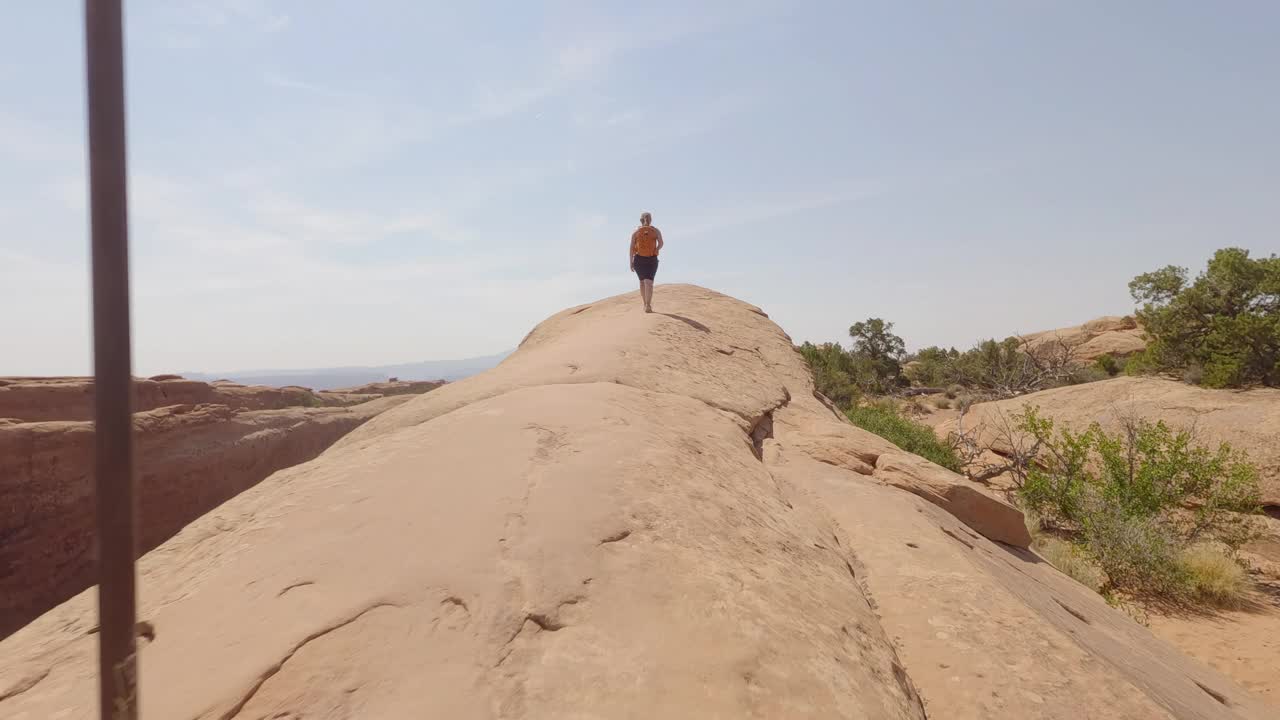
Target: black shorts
point(646, 267)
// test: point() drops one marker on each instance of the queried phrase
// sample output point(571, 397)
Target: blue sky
point(331, 183)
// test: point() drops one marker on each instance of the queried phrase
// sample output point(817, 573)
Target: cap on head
point(645, 218)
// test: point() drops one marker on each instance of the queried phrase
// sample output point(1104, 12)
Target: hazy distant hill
point(329, 378)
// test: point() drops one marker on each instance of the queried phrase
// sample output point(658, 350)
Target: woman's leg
point(648, 294)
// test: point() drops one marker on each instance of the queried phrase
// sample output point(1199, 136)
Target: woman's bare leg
point(648, 294)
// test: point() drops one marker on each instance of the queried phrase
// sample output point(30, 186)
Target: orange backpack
point(645, 241)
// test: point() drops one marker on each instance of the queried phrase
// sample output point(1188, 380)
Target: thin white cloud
point(280, 80)
point(192, 24)
point(259, 15)
point(746, 212)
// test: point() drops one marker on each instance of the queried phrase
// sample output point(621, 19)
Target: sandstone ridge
point(1111, 335)
point(632, 516)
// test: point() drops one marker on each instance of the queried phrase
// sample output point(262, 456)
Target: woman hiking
point(646, 241)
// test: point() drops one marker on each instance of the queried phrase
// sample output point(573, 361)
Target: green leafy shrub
point(1108, 364)
point(834, 373)
point(885, 420)
point(1227, 321)
point(877, 352)
point(873, 365)
point(1142, 363)
point(997, 367)
point(1136, 500)
point(932, 366)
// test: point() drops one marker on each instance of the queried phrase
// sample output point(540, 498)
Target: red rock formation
point(191, 458)
point(1115, 336)
point(392, 387)
point(71, 398)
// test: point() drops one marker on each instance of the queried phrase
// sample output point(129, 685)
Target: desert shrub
point(1108, 364)
point(885, 420)
point(1193, 374)
point(834, 373)
point(1137, 555)
point(931, 366)
point(1214, 578)
point(999, 368)
point(954, 391)
point(942, 403)
point(872, 365)
point(1226, 321)
point(1134, 501)
point(1141, 363)
point(1070, 560)
point(877, 353)
point(1086, 374)
point(308, 399)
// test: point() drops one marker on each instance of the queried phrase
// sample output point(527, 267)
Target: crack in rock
point(616, 537)
point(25, 684)
point(303, 583)
point(279, 665)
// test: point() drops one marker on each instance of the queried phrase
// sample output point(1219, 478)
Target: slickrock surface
point(634, 516)
point(1116, 336)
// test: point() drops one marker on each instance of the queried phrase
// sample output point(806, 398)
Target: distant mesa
point(346, 377)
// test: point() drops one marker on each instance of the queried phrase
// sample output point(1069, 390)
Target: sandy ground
point(1242, 644)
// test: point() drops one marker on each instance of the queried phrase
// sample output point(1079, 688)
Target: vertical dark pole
point(113, 375)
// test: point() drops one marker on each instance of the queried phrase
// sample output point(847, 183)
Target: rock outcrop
point(191, 458)
point(1115, 336)
point(1248, 419)
point(634, 515)
point(391, 387)
point(71, 398)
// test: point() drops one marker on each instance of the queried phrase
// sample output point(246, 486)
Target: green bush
point(871, 366)
point(999, 367)
point(932, 366)
point(1227, 321)
point(1108, 364)
point(834, 373)
point(885, 420)
point(1142, 363)
point(878, 353)
point(1134, 501)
